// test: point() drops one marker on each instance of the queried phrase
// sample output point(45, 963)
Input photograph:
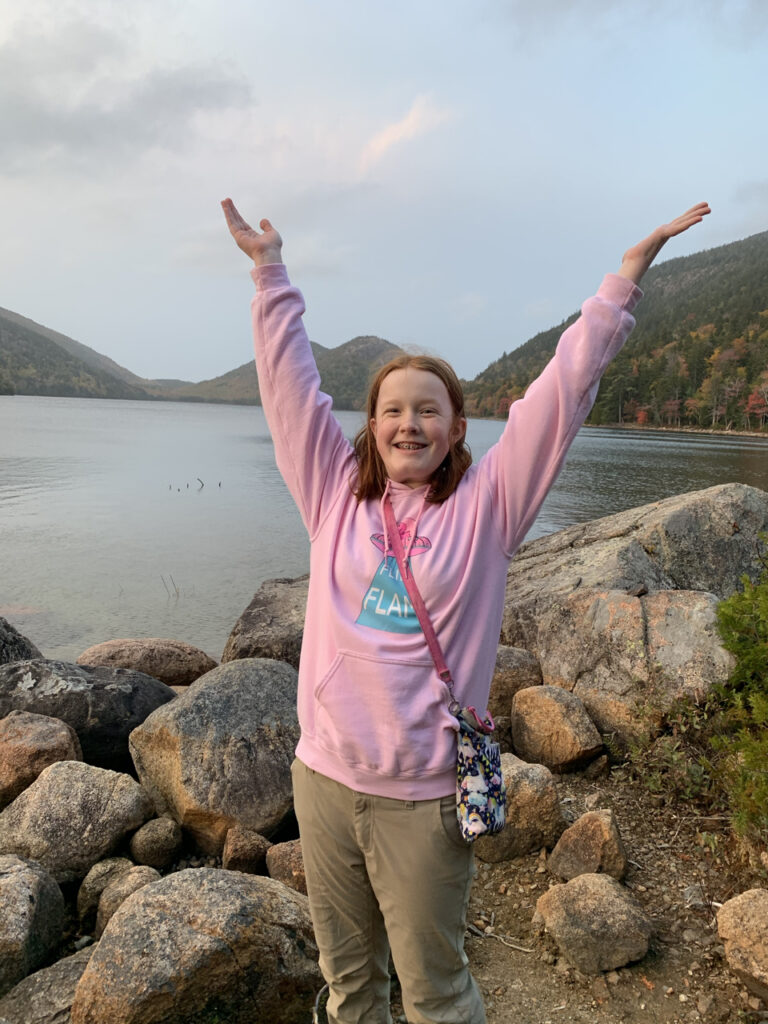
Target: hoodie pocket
point(386, 716)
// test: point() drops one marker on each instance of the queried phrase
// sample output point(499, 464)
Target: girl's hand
point(262, 248)
point(637, 259)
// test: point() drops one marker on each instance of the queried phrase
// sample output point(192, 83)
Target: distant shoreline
point(644, 428)
point(710, 432)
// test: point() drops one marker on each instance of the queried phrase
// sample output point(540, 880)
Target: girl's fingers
point(234, 219)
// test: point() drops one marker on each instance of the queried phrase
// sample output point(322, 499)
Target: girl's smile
point(414, 425)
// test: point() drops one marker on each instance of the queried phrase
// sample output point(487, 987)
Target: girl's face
point(414, 425)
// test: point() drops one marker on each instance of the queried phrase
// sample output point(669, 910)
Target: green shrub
point(741, 741)
point(714, 752)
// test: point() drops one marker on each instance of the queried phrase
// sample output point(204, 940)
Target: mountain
point(344, 373)
point(698, 355)
point(35, 360)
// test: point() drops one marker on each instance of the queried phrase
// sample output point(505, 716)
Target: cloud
point(76, 96)
point(737, 22)
point(423, 117)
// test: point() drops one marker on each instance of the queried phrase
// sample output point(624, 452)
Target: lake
point(129, 519)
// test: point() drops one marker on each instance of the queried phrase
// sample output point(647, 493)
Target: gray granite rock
point(45, 997)
point(220, 754)
point(28, 744)
point(202, 945)
point(273, 623)
point(534, 815)
point(704, 540)
point(14, 646)
point(596, 924)
point(31, 918)
point(171, 661)
point(72, 816)
point(550, 726)
point(102, 705)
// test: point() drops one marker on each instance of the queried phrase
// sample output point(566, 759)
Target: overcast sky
point(454, 176)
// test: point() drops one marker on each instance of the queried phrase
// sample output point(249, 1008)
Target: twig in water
point(165, 585)
point(173, 581)
point(202, 485)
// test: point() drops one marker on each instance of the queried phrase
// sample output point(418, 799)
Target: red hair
point(372, 475)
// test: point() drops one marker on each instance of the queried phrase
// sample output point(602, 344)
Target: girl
point(374, 775)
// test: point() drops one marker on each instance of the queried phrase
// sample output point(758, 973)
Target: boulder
point(704, 540)
point(629, 659)
point(220, 755)
point(28, 744)
point(14, 646)
point(72, 816)
point(203, 945)
point(595, 923)
point(171, 661)
point(515, 669)
point(31, 918)
point(534, 815)
point(245, 850)
point(550, 727)
point(742, 923)
point(45, 997)
point(158, 843)
point(94, 884)
point(286, 864)
point(591, 845)
point(118, 891)
point(101, 704)
point(273, 623)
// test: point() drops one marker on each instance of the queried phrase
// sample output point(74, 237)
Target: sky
point(451, 176)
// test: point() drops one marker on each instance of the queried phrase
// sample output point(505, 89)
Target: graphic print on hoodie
point(386, 605)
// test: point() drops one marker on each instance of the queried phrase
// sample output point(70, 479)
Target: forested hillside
point(35, 360)
point(32, 363)
point(698, 356)
point(344, 373)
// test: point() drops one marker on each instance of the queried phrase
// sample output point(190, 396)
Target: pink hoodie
point(372, 709)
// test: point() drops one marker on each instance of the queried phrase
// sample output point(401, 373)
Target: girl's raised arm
point(637, 259)
point(262, 248)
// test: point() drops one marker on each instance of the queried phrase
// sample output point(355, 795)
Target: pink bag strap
point(396, 543)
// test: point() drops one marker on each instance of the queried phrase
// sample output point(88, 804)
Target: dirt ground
point(677, 879)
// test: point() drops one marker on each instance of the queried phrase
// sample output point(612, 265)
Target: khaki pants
point(387, 873)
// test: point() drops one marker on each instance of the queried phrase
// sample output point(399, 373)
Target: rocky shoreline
point(149, 862)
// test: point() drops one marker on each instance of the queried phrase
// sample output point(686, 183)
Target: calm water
point(106, 532)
